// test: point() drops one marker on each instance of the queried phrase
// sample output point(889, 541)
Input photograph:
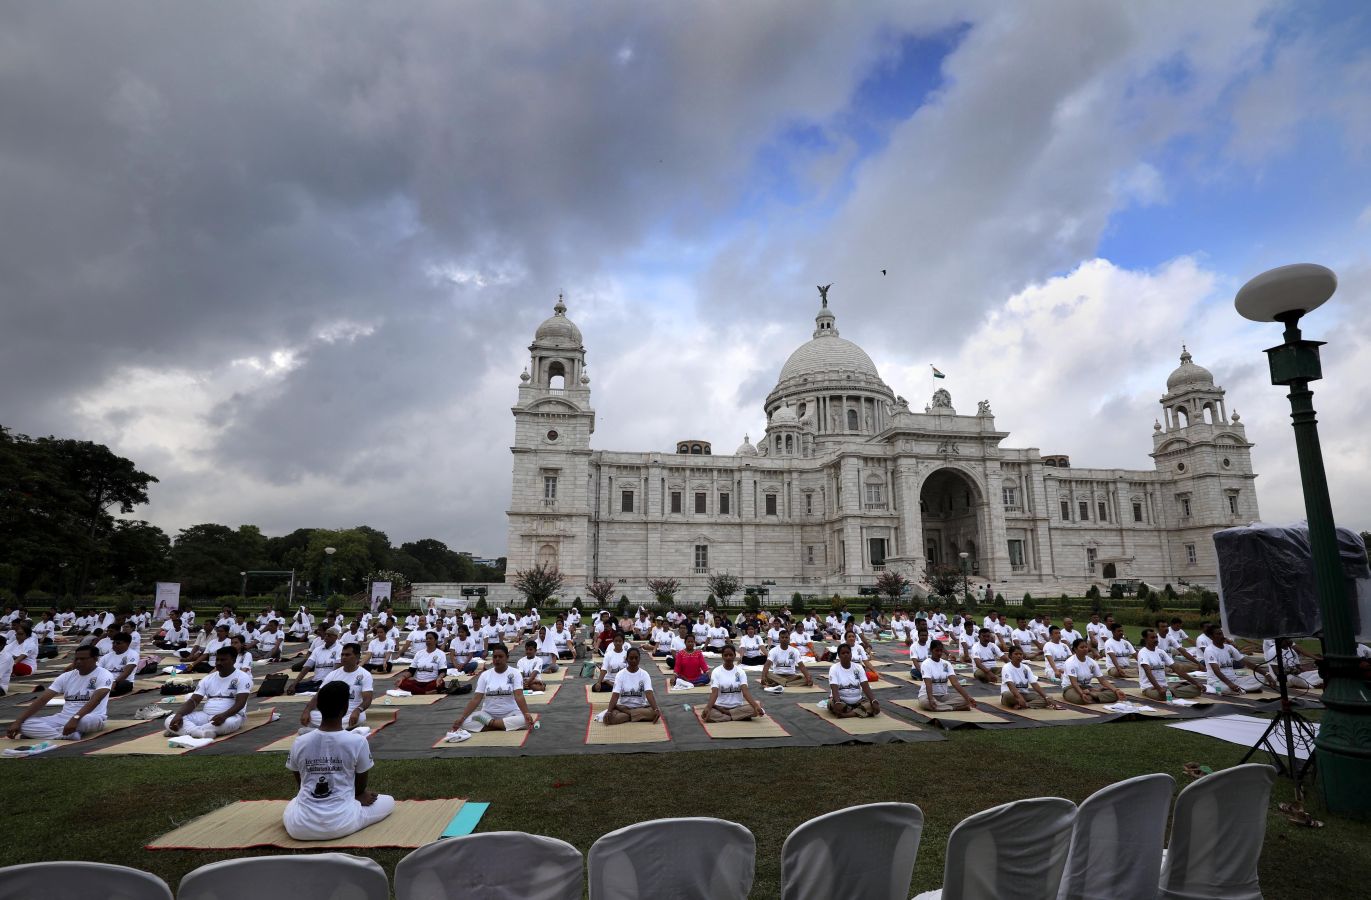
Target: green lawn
point(105, 809)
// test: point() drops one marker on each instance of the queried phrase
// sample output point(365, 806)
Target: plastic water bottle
point(537, 723)
point(685, 706)
point(1169, 698)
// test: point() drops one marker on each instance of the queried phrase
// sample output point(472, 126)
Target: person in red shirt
point(690, 663)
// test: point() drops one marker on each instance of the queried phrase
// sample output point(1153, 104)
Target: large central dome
point(826, 363)
point(827, 353)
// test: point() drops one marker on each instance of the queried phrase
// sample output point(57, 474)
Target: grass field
point(106, 809)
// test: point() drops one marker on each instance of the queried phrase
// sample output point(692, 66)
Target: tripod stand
point(1296, 730)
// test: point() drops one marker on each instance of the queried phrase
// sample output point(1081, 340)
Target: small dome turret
point(558, 330)
point(1187, 373)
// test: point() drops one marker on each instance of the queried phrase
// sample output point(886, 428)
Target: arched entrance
point(950, 504)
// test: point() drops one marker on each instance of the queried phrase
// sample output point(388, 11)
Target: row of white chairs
point(1108, 848)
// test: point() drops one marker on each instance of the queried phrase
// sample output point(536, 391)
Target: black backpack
point(273, 685)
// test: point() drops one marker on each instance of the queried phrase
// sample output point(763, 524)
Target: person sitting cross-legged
point(361, 690)
point(1301, 667)
point(84, 690)
point(1081, 671)
point(633, 699)
point(849, 691)
point(1120, 653)
point(1019, 687)
point(531, 667)
point(729, 699)
point(331, 767)
point(121, 663)
point(783, 666)
point(499, 694)
point(615, 659)
point(1154, 663)
point(426, 671)
point(1222, 661)
point(936, 674)
point(224, 692)
point(690, 664)
point(986, 656)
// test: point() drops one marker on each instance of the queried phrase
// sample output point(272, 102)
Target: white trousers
point(1244, 680)
point(6, 670)
point(316, 719)
point(199, 720)
point(349, 822)
point(49, 728)
point(513, 722)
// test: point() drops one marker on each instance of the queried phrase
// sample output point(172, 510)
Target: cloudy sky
point(289, 256)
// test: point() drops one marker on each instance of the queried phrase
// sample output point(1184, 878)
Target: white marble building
point(848, 479)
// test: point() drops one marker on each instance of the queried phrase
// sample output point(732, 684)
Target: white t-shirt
point(1224, 657)
point(463, 649)
point(358, 682)
point(379, 647)
point(328, 763)
point(1202, 644)
point(1084, 671)
point(730, 684)
point(326, 659)
point(1025, 638)
point(718, 636)
point(1057, 652)
point(77, 689)
point(1021, 676)
point(750, 645)
point(1156, 660)
point(529, 667)
point(1097, 631)
point(783, 661)
point(28, 651)
point(560, 639)
point(632, 688)
point(220, 692)
point(936, 671)
point(614, 661)
point(988, 654)
point(428, 666)
point(848, 681)
point(499, 689)
point(919, 652)
point(44, 630)
point(1168, 642)
point(1070, 636)
point(1122, 650)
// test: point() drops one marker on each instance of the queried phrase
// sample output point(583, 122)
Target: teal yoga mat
point(466, 820)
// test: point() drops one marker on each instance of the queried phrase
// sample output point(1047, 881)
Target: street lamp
point(328, 567)
point(243, 592)
point(966, 584)
point(1344, 741)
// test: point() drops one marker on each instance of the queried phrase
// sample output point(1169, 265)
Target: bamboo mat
point(257, 823)
point(1070, 714)
point(110, 725)
point(966, 717)
point(490, 738)
point(765, 727)
point(875, 725)
point(376, 720)
point(155, 744)
point(628, 733)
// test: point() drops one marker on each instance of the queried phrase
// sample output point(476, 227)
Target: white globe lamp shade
point(1302, 288)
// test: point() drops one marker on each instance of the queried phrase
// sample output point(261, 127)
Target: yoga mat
point(491, 738)
point(257, 823)
point(545, 697)
point(1242, 730)
point(466, 820)
point(798, 688)
point(110, 725)
point(876, 725)
point(376, 720)
point(155, 744)
point(627, 733)
point(379, 700)
point(1069, 714)
point(699, 689)
point(765, 727)
point(1203, 700)
point(1265, 695)
point(596, 698)
point(962, 717)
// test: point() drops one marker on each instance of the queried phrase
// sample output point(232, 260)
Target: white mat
point(1243, 730)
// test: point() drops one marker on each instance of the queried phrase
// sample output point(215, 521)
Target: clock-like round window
point(552, 434)
point(1180, 467)
point(1227, 462)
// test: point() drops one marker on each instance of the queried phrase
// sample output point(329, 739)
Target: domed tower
point(831, 386)
point(549, 510)
point(1206, 460)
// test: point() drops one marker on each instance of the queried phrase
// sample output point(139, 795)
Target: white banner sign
point(380, 590)
point(168, 600)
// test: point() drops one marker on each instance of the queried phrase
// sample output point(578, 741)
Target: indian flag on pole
point(936, 373)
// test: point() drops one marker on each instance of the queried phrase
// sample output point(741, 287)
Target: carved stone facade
point(847, 480)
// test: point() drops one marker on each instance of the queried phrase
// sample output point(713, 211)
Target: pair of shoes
point(775, 689)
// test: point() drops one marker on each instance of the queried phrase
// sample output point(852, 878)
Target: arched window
point(1182, 417)
point(556, 375)
point(789, 444)
point(547, 556)
point(852, 421)
point(1209, 414)
point(696, 449)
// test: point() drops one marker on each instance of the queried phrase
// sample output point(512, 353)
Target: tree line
point(66, 534)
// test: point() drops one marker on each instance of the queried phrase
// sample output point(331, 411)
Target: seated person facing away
point(1019, 688)
point(849, 691)
point(1120, 653)
point(783, 665)
point(633, 699)
point(331, 766)
point(531, 667)
point(499, 695)
point(729, 698)
point(224, 692)
point(986, 656)
point(615, 659)
point(427, 670)
point(1154, 663)
point(1080, 672)
point(84, 690)
point(121, 663)
point(690, 664)
point(361, 690)
point(936, 674)
point(1222, 660)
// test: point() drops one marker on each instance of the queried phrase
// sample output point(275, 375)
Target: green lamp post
point(1343, 746)
point(328, 568)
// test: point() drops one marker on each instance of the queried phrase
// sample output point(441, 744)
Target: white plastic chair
point(1116, 843)
point(499, 865)
point(1217, 831)
point(1012, 852)
point(317, 876)
point(79, 881)
point(673, 859)
point(862, 851)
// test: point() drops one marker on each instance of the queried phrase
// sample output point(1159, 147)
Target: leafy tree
point(1116, 591)
point(891, 584)
point(1152, 602)
point(943, 580)
point(664, 589)
point(1029, 604)
point(600, 591)
point(1169, 592)
point(207, 558)
point(724, 586)
point(797, 604)
point(1209, 603)
point(538, 583)
point(138, 554)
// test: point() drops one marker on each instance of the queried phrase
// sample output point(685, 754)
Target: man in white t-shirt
point(783, 666)
point(270, 640)
point(728, 692)
point(1055, 653)
point(1026, 639)
point(1120, 653)
point(1069, 632)
point(986, 657)
point(1096, 631)
point(937, 675)
point(121, 662)
point(1170, 641)
point(85, 700)
point(361, 690)
point(322, 660)
point(1080, 672)
point(1154, 662)
point(1222, 661)
point(331, 766)
point(224, 692)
